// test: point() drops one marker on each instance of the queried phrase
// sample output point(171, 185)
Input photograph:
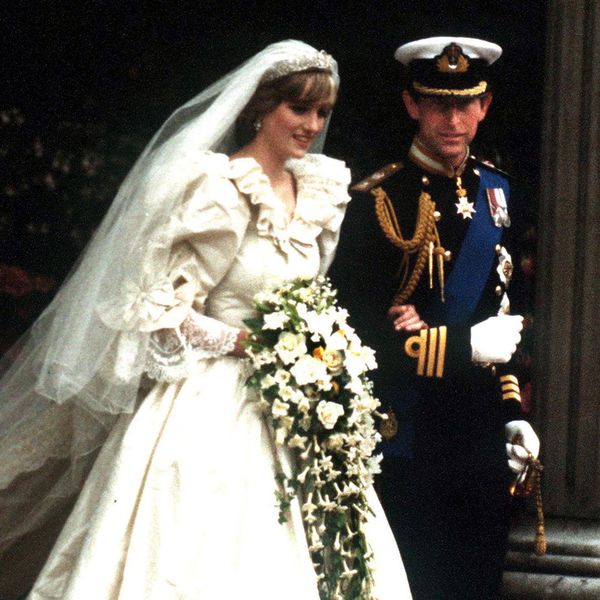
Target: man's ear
point(485, 104)
point(412, 107)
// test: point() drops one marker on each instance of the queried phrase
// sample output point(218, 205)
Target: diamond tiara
point(319, 60)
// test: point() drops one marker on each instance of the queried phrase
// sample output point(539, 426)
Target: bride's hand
point(240, 346)
point(406, 318)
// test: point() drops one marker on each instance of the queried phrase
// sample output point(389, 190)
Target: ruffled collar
point(322, 194)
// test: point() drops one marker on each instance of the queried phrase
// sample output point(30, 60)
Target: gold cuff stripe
point(509, 379)
point(432, 349)
point(429, 91)
point(512, 396)
point(511, 387)
point(429, 348)
point(441, 352)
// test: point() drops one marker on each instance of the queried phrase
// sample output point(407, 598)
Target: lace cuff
point(173, 353)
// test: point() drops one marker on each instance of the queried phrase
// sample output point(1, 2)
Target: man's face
point(447, 125)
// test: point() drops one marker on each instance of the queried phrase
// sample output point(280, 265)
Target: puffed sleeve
point(204, 235)
point(207, 233)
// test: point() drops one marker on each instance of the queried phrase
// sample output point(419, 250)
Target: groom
point(426, 266)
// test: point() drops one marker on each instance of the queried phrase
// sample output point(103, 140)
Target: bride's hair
point(313, 85)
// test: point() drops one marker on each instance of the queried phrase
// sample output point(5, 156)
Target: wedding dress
point(180, 502)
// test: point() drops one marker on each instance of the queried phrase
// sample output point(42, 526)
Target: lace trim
point(174, 353)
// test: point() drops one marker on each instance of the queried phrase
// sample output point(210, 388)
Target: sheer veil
point(76, 371)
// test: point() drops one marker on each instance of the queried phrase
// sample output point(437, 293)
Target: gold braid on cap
point(425, 243)
point(480, 88)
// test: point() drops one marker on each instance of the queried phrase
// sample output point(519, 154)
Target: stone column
point(567, 357)
point(568, 266)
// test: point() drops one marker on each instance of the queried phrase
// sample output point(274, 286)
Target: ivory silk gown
point(180, 502)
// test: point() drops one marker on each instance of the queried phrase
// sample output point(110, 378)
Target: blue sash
point(471, 270)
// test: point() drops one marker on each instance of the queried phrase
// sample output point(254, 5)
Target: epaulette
point(489, 165)
point(376, 178)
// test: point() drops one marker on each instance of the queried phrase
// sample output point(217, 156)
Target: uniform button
point(447, 256)
point(498, 290)
point(425, 180)
point(437, 215)
point(498, 248)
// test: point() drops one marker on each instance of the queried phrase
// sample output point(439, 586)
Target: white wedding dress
point(180, 503)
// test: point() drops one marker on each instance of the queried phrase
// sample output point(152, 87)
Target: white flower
point(355, 385)
point(267, 381)
point(326, 462)
point(335, 441)
point(304, 405)
point(288, 394)
point(280, 409)
point(359, 360)
point(308, 506)
point(261, 358)
point(297, 441)
point(364, 402)
point(334, 360)
point(320, 324)
point(342, 317)
point(290, 346)
point(374, 464)
point(309, 370)
point(275, 320)
point(282, 376)
point(329, 413)
point(337, 340)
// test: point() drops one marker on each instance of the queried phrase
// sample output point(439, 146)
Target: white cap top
point(431, 47)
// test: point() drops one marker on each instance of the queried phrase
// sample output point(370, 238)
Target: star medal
point(389, 426)
point(463, 206)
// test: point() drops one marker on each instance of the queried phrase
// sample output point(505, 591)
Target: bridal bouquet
point(309, 377)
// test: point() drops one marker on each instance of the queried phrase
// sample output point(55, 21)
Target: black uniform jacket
point(450, 412)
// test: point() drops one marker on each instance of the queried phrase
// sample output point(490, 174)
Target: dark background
point(86, 83)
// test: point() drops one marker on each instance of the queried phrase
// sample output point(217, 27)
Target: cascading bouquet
point(309, 378)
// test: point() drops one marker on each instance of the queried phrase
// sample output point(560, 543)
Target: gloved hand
point(521, 442)
point(495, 339)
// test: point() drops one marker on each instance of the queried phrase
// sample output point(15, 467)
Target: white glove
point(521, 442)
point(495, 339)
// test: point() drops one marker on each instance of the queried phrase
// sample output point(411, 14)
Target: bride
point(129, 393)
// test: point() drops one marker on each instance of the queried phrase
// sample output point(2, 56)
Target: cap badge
point(452, 60)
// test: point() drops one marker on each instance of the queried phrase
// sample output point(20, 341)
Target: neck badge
point(463, 206)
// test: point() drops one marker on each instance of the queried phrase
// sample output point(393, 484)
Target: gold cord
point(531, 485)
point(540, 546)
point(425, 243)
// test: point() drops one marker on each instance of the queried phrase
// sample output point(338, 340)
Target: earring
point(257, 125)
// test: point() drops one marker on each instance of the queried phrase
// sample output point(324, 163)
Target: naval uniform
point(445, 480)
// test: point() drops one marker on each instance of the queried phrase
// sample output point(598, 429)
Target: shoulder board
point(488, 165)
point(376, 178)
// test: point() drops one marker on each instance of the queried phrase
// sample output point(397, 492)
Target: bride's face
point(289, 129)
